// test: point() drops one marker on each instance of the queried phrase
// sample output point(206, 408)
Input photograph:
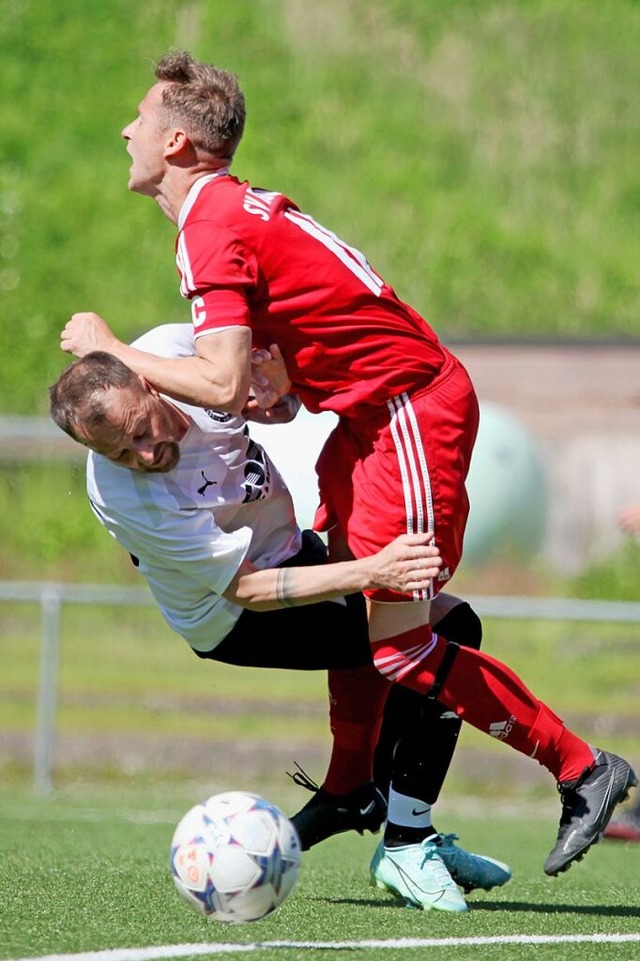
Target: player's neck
point(177, 185)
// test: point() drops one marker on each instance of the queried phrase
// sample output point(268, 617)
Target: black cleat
point(363, 809)
point(587, 806)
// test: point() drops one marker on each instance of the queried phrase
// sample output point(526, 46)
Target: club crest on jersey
point(220, 416)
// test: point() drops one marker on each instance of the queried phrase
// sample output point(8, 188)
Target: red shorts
point(403, 470)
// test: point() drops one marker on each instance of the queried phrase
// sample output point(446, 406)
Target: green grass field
point(87, 871)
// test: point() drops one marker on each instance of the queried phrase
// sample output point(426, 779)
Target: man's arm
point(407, 564)
point(219, 376)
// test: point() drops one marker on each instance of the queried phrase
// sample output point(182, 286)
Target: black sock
point(395, 835)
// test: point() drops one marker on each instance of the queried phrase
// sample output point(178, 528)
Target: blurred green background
point(484, 155)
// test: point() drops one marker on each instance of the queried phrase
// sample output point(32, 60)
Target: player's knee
point(462, 625)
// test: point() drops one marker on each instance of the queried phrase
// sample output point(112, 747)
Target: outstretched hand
point(86, 332)
point(409, 563)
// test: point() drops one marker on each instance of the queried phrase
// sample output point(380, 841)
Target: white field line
point(193, 950)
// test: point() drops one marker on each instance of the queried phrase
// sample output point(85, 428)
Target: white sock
point(408, 812)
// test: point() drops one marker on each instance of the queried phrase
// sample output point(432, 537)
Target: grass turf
point(87, 870)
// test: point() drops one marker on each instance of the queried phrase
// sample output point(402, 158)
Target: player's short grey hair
point(77, 399)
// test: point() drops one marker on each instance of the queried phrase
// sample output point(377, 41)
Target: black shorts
point(312, 637)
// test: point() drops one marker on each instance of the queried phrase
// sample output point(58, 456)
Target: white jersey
point(192, 527)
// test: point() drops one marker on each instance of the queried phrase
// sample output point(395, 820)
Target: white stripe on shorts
point(412, 461)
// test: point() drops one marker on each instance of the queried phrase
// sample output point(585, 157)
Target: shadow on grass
point(600, 910)
point(597, 910)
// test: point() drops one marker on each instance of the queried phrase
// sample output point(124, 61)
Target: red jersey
point(249, 257)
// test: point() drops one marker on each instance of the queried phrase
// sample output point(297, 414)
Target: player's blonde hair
point(207, 99)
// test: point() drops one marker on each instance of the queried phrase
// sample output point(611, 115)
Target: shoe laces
point(302, 779)
point(457, 859)
point(452, 850)
point(570, 794)
point(439, 868)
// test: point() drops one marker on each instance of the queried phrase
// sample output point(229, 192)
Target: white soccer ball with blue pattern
point(235, 857)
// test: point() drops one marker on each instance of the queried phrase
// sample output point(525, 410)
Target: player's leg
point(491, 697)
point(348, 798)
point(432, 727)
point(405, 477)
point(421, 760)
point(332, 636)
point(344, 454)
point(422, 735)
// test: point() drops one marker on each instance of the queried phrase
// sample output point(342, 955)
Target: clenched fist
point(86, 332)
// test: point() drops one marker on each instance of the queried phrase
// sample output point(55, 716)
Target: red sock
point(488, 695)
point(356, 702)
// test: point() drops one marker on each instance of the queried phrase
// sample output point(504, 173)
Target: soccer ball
point(235, 857)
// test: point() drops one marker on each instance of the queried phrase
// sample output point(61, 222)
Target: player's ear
point(177, 143)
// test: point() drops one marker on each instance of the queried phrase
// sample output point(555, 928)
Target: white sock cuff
point(408, 812)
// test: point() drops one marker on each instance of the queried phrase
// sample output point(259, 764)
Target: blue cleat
point(416, 873)
point(471, 870)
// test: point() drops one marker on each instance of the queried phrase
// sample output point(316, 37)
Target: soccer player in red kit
point(259, 272)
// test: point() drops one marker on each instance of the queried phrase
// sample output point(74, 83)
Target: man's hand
point(269, 378)
point(86, 332)
point(282, 412)
point(407, 564)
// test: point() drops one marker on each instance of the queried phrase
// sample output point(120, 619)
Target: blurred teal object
point(507, 490)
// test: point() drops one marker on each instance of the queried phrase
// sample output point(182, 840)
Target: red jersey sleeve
point(217, 273)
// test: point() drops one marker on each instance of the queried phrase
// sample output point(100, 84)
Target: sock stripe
point(396, 665)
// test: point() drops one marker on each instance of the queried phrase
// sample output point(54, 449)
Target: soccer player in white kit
point(196, 504)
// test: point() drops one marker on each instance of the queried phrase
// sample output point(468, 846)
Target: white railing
point(51, 596)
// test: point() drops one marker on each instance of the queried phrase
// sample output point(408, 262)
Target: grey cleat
point(587, 806)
